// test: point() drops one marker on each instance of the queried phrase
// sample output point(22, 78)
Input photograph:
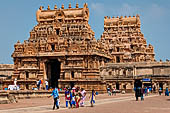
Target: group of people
point(74, 97)
point(139, 93)
point(40, 84)
point(166, 91)
point(111, 91)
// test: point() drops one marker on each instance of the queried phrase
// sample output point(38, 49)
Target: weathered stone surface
point(6, 98)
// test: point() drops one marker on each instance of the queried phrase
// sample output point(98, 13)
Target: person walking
point(46, 84)
point(92, 98)
point(83, 97)
point(166, 92)
point(114, 91)
point(137, 93)
point(68, 97)
point(77, 97)
point(38, 84)
point(160, 91)
point(141, 93)
point(73, 100)
point(55, 95)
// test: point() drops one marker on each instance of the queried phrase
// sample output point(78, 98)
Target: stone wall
point(136, 69)
point(6, 69)
point(125, 74)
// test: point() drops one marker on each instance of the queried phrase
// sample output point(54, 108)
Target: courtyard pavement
point(121, 103)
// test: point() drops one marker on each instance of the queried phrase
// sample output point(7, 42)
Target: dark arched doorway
point(53, 72)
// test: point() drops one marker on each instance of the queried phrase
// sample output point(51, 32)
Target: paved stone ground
point(104, 104)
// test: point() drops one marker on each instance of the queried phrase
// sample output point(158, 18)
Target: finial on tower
point(77, 5)
point(18, 42)
point(48, 7)
point(85, 5)
point(55, 7)
point(62, 7)
point(69, 6)
point(41, 7)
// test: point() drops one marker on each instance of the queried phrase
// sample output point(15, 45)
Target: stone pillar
point(45, 74)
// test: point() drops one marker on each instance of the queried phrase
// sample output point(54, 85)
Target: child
point(68, 97)
point(73, 101)
point(77, 98)
point(92, 98)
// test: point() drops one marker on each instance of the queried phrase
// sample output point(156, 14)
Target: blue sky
point(18, 18)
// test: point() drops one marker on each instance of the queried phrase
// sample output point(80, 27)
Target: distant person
point(146, 91)
point(154, 89)
point(108, 91)
point(68, 97)
point(141, 93)
point(83, 97)
point(167, 92)
point(92, 98)
point(55, 95)
point(77, 97)
point(137, 93)
point(73, 101)
point(46, 84)
point(38, 85)
point(160, 91)
point(114, 91)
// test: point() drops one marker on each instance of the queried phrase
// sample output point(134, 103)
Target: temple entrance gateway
point(53, 72)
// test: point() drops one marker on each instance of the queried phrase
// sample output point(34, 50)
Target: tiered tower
point(61, 49)
point(125, 40)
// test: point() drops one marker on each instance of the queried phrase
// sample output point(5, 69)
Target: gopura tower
point(61, 49)
point(125, 41)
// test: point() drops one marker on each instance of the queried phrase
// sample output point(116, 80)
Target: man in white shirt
point(46, 84)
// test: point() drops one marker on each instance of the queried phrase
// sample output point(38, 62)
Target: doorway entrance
point(117, 85)
point(161, 85)
point(72, 84)
point(53, 72)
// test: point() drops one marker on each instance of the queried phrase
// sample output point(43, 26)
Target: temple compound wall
point(123, 75)
point(62, 49)
point(6, 70)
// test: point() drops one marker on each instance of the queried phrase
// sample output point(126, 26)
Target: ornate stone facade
point(123, 75)
point(125, 40)
point(63, 50)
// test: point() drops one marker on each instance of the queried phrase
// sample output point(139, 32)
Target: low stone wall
point(6, 69)
point(6, 98)
point(27, 93)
